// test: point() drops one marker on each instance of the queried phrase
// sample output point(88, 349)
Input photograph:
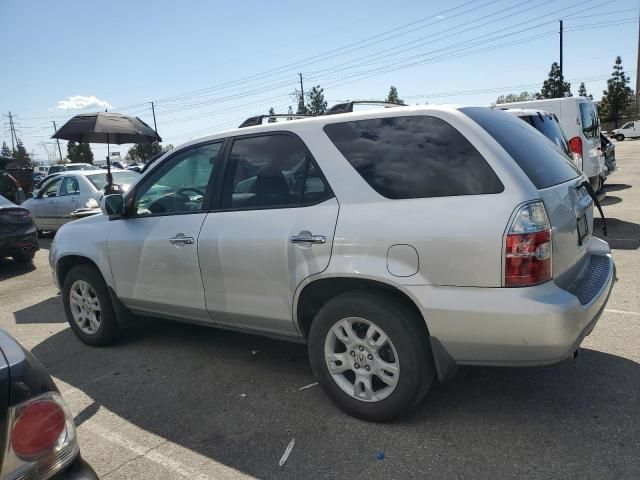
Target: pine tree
point(392, 97)
point(5, 151)
point(618, 97)
point(271, 112)
point(582, 90)
point(84, 153)
point(20, 155)
point(316, 104)
point(554, 86)
point(72, 154)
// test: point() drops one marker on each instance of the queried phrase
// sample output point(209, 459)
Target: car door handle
point(180, 239)
point(306, 237)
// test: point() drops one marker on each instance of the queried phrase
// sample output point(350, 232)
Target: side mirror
point(112, 205)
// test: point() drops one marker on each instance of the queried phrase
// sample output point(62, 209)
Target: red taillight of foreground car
point(528, 247)
point(575, 146)
point(38, 429)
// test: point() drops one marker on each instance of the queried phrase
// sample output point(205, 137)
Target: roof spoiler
point(347, 107)
point(257, 120)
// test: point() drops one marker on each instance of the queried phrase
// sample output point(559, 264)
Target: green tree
point(5, 151)
point(392, 97)
point(316, 104)
point(618, 97)
point(555, 86)
point(144, 151)
point(72, 147)
point(84, 153)
point(271, 112)
point(582, 90)
point(20, 155)
point(514, 97)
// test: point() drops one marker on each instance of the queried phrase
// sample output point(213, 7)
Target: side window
point(51, 189)
point(627, 125)
point(181, 185)
point(271, 171)
point(589, 123)
point(69, 186)
point(414, 157)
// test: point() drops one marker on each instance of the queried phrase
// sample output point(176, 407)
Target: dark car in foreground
point(609, 152)
point(37, 433)
point(18, 234)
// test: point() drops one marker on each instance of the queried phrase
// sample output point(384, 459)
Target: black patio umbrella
point(106, 127)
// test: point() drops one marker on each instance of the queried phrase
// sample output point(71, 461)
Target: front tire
point(88, 307)
point(619, 137)
point(371, 355)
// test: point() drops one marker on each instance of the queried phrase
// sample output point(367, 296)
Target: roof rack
point(257, 120)
point(348, 106)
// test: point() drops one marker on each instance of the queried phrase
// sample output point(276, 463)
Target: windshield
point(81, 167)
point(549, 127)
point(124, 179)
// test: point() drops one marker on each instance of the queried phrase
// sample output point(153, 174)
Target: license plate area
point(583, 229)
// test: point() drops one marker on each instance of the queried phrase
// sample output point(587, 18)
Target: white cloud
point(81, 102)
point(440, 17)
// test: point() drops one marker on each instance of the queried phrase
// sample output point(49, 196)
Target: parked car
point(70, 167)
point(609, 152)
point(628, 130)
point(10, 188)
point(39, 438)
point(18, 238)
point(578, 117)
point(67, 192)
point(397, 243)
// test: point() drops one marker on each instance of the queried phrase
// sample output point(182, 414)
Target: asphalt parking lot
point(176, 401)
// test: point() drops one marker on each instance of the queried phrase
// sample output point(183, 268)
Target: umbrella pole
point(109, 177)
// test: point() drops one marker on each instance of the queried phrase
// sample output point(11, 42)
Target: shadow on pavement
point(610, 200)
point(616, 187)
point(10, 268)
point(235, 398)
point(47, 311)
point(622, 235)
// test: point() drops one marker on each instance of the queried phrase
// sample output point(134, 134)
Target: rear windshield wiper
point(594, 197)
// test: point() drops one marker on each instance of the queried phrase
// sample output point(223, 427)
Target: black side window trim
point(216, 206)
point(167, 164)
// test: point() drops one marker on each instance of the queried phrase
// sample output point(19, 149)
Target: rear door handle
point(180, 239)
point(307, 237)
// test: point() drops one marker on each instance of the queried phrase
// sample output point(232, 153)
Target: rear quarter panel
point(458, 239)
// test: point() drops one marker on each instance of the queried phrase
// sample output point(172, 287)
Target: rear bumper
point(526, 326)
point(78, 470)
point(17, 242)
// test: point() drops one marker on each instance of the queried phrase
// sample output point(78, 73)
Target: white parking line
point(622, 312)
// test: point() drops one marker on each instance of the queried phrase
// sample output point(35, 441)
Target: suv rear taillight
point(575, 146)
point(41, 438)
point(528, 247)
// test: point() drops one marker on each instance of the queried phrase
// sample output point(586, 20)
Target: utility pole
point(13, 132)
point(561, 73)
point(153, 110)
point(55, 129)
point(301, 88)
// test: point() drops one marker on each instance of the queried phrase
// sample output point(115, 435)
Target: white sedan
point(52, 206)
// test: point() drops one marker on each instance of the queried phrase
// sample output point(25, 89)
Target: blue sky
point(208, 65)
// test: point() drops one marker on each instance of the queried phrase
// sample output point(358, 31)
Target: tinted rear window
point(413, 157)
point(550, 128)
point(541, 162)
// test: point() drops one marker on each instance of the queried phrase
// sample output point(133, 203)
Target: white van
point(578, 117)
point(628, 130)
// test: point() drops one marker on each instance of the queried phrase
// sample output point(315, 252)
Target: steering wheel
point(190, 189)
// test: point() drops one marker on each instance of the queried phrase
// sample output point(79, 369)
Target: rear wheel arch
point(317, 293)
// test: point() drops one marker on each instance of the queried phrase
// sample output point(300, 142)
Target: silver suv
point(396, 243)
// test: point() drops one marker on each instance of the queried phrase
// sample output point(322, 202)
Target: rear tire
point(619, 137)
point(24, 257)
point(88, 307)
point(369, 382)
